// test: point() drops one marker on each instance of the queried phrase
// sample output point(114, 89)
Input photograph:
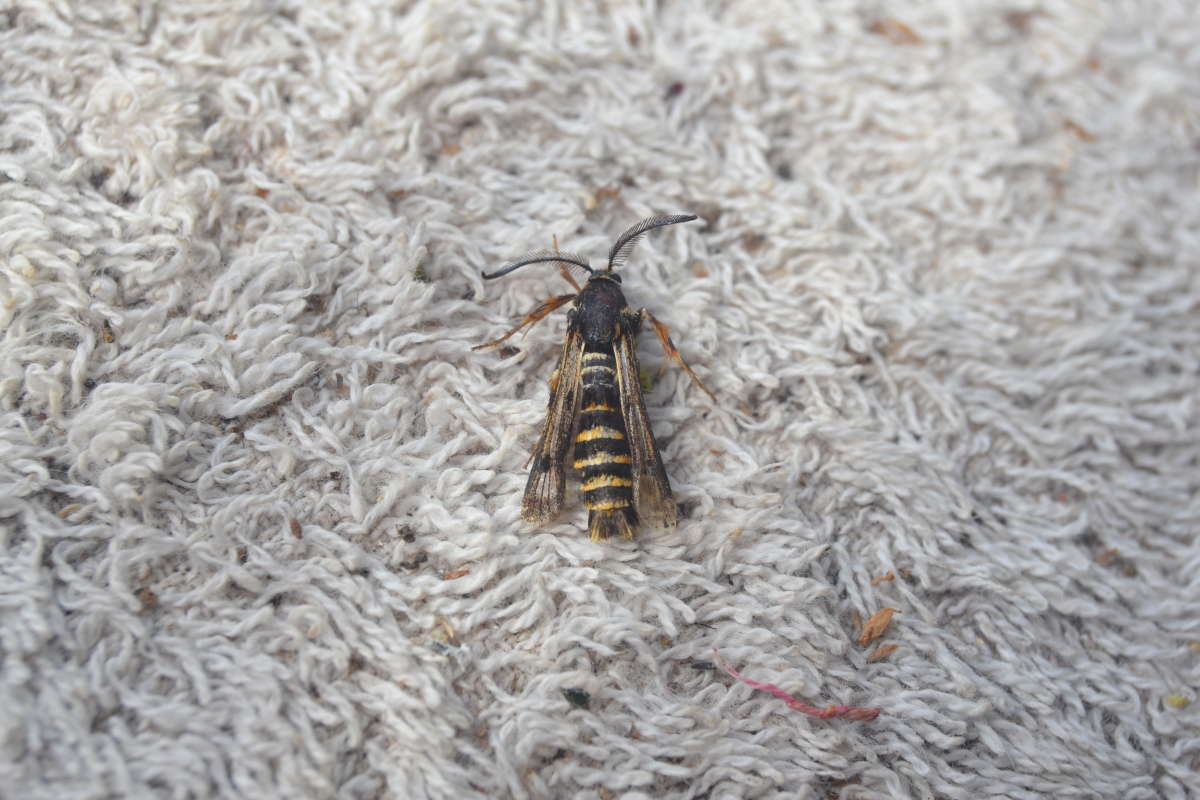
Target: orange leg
point(547, 306)
point(566, 273)
point(562, 268)
point(664, 337)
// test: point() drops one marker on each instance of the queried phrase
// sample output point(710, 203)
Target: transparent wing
point(651, 489)
point(546, 488)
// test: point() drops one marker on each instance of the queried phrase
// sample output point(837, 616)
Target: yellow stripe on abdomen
point(599, 432)
point(601, 460)
point(606, 505)
point(600, 481)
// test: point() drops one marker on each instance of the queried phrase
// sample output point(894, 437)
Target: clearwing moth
point(596, 400)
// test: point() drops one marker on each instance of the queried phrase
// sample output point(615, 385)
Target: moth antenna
point(626, 241)
point(538, 257)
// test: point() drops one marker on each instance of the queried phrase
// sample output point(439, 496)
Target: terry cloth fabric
point(260, 500)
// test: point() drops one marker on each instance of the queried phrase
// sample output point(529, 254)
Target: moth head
point(604, 275)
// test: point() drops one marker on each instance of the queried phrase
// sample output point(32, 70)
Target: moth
point(596, 400)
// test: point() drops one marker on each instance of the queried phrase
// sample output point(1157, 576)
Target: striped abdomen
point(602, 449)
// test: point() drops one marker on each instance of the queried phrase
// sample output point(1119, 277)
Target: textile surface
point(260, 525)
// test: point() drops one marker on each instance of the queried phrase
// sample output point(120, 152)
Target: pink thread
point(856, 713)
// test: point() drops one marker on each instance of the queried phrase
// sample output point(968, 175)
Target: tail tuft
point(606, 523)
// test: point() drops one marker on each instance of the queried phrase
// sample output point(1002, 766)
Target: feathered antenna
point(538, 257)
point(626, 241)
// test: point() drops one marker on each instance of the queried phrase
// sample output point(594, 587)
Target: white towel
point(259, 500)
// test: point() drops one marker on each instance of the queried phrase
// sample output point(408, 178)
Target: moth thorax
point(599, 308)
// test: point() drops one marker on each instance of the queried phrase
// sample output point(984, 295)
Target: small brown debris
point(294, 525)
point(890, 576)
point(242, 555)
point(261, 192)
point(882, 652)
point(316, 304)
point(1079, 131)
point(443, 632)
point(1019, 20)
point(451, 149)
point(1194, 646)
point(753, 242)
point(610, 192)
point(69, 510)
point(895, 31)
point(453, 574)
point(1106, 558)
point(595, 198)
point(231, 337)
point(147, 598)
point(877, 625)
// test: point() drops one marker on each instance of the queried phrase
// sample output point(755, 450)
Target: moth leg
point(545, 307)
point(562, 269)
point(664, 337)
point(532, 453)
point(566, 273)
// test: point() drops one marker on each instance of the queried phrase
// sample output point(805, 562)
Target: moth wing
point(546, 489)
point(651, 489)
